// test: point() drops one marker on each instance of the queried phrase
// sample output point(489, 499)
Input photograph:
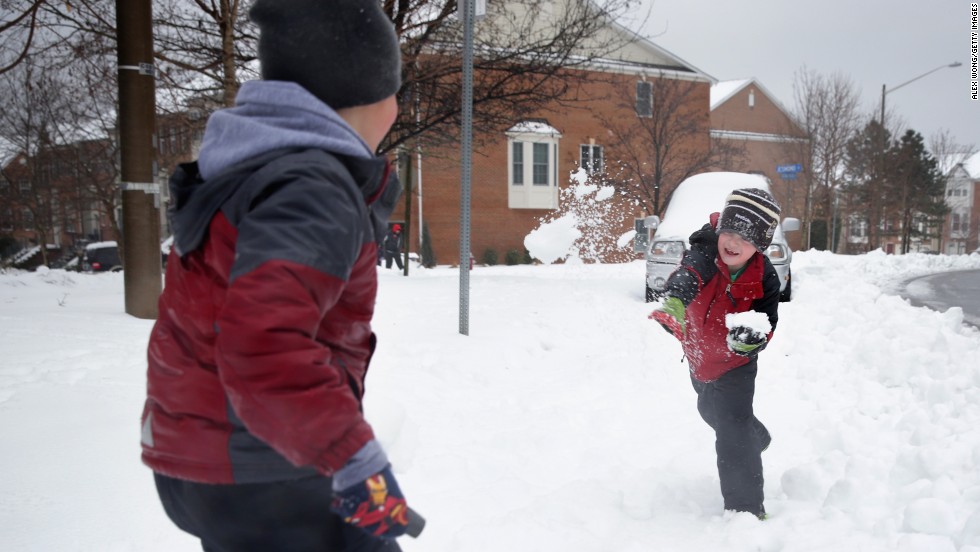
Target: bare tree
point(526, 53)
point(63, 123)
point(18, 29)
point(948, 151)
point(827, 111)
point(204, 48)
point(25, 126)
point(207, 48)
point(88, 134)
point(655, 153)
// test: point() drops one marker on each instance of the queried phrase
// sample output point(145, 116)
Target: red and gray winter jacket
point(258, 358)
point(704, 285)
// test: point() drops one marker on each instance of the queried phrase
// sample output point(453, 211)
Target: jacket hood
point(196, 200)
point(274, 115)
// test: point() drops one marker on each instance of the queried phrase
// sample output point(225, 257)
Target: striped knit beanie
point(751, 213)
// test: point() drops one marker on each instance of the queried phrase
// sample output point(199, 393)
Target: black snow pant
point(283, 516)
point(726, 405)
point(389, 256)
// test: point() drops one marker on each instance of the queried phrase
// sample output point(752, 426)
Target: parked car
point(101, 257)
point(689, 209)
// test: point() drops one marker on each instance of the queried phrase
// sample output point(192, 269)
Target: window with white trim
point(858, 228)
point(644, 99)
point(532, 166)
point(591, 158)
point(960, 223)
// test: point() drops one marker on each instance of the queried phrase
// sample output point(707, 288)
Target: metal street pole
point(884, 141)
point(910, 81)
point(466, 168)
point(140, 194)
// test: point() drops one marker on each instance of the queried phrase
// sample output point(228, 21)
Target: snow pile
point(565, 421)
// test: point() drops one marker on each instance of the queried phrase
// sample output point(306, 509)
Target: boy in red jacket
point(725, 273)
point(253, 421)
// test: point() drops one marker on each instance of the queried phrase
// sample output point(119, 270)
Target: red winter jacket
point(704, 284)
point(258, 357)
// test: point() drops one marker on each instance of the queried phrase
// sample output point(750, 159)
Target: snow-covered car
point(101, 257)
point(689, 209)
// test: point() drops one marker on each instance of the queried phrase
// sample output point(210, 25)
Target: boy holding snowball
point(722, 303)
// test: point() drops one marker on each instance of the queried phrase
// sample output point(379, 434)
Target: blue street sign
point(788, 176)
point(789, 169)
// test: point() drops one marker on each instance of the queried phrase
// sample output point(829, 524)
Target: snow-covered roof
point(972, 166)
point(723, 90)
point(969, 162)
point(534, 127)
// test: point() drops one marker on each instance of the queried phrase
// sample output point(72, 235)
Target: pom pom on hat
point(344, 52)
point(753, 214)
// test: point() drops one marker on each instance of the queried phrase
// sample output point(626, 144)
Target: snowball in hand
point(756, 321)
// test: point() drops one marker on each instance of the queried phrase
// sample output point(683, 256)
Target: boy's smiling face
point(733, 250)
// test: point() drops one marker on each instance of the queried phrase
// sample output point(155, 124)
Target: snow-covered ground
point(564, 422)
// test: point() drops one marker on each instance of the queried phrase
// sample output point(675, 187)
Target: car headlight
point(776, 253)
point(666, 251)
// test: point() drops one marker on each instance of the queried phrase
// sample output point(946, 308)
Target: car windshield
point(667, 250)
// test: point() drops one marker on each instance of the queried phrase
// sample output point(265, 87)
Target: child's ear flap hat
point(753, 214)
point(344, 52)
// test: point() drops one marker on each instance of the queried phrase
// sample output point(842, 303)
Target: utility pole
point(140, 194)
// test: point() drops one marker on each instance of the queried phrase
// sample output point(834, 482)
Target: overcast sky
point(873, 42)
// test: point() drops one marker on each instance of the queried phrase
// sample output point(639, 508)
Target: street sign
point(789, 169)
point(788, 176)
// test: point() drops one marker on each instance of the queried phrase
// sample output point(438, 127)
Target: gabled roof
point(632, 52)
point(723, 91)
point(971, 165)
point(641, 47)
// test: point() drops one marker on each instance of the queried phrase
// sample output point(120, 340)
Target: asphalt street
point(948, 289)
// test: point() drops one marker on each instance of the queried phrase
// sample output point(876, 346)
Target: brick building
point(52, 199)
point(518, 172)
point(73, 188)
point(745, 113)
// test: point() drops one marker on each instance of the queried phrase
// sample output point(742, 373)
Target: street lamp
point(927, 73)
point(884, 143)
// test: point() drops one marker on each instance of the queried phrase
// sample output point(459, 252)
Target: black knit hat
point(751, 213)
point(344, 52)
